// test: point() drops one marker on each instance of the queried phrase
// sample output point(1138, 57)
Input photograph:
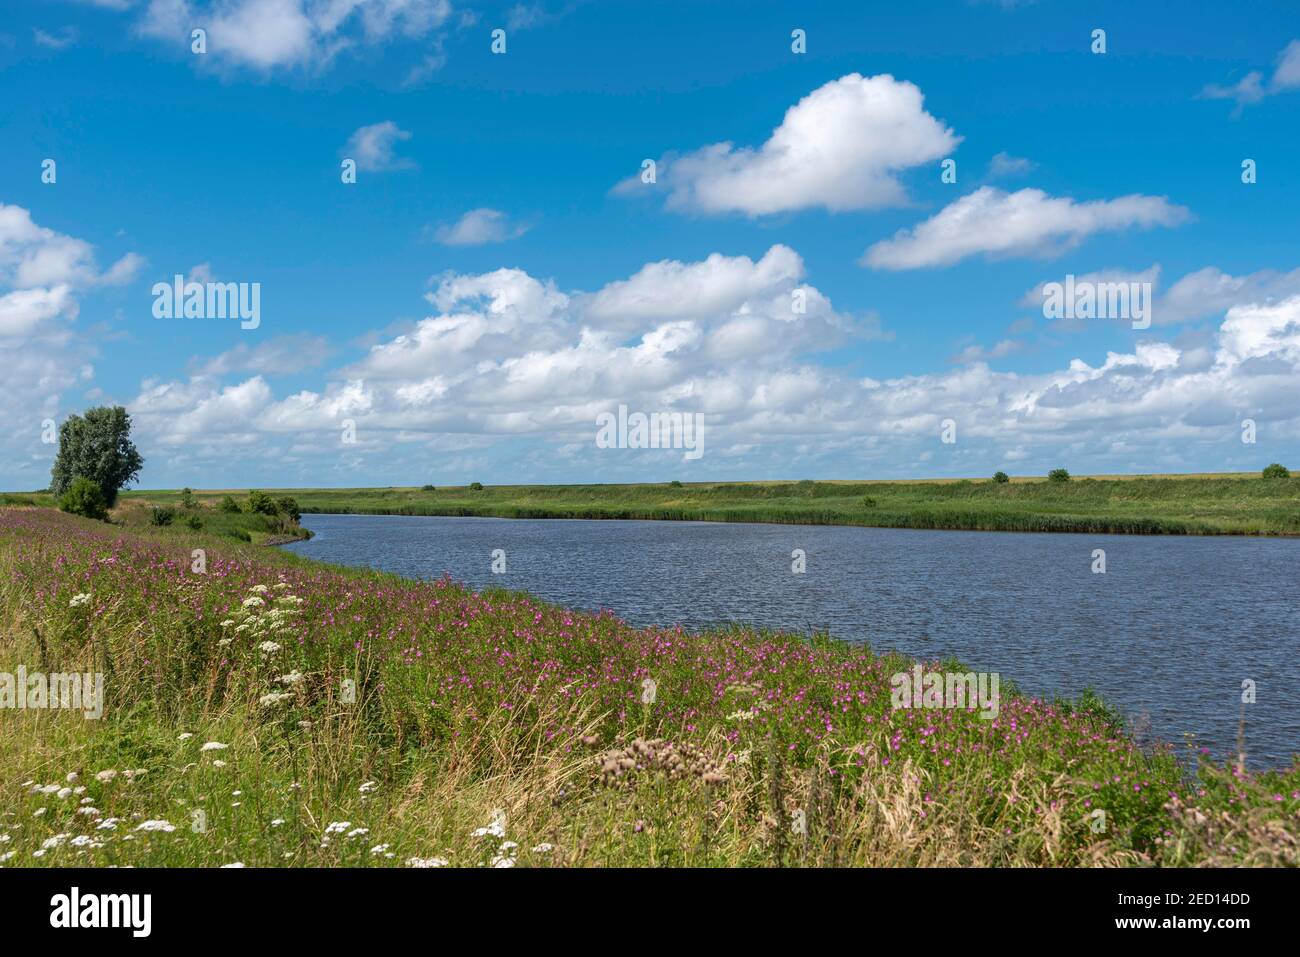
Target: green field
point(1231, 504)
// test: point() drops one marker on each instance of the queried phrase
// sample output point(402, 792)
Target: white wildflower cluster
point(165, 826)
point(494, 829)
point(503, 852)
point(505, 855)
point(102, 829)
point(334, 827)
point(267, 618)
point(82, 841)
point(209, 747)
point(342, 827)
point(63, 792)
point(79, 600)
point(264, 615)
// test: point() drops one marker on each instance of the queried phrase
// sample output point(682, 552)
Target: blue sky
point(498, 275)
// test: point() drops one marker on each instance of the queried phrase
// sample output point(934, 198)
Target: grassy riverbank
point(182, 510)
point(1204, 505)
point(266, 710)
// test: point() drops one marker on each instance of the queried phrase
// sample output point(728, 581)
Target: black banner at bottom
point(340, 906)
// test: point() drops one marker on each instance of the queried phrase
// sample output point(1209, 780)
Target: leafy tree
point(98, 446)
point(229, 505)
point(426, 488)
point(675, 484)
point(1277, 470)
point(83, 497)
point(288, 506)
point(187, 498)
point(1058, 475)
point(476, 486)
point(1001, 478)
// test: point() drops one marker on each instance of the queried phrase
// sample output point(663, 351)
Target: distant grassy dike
point(1238, 504)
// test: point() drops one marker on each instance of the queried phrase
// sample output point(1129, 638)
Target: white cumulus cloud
point(268, 35)
point(841, 147)
point(1253, 87)
point(996, 224)
point(478, 227)
point(374, 147)
point(44, 274)
point(511, 369)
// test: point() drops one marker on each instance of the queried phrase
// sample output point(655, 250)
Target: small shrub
point(476, 486)
point(1001, 478)
point(868, 502)
point(1058, 475)
point(1277, 470)
point(187, 498)
point(84, 497)
point(162, 516)
point(229, 505)
point(288, 507)
point(194, 522)
point(259, 503)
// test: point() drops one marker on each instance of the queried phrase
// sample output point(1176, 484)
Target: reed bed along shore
point(263, 710)
point(1152, 505)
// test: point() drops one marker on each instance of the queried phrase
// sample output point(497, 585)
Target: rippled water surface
point(1168, 633)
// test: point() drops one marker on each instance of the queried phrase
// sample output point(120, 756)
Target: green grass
point(1173, 505)
point(242, 526)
